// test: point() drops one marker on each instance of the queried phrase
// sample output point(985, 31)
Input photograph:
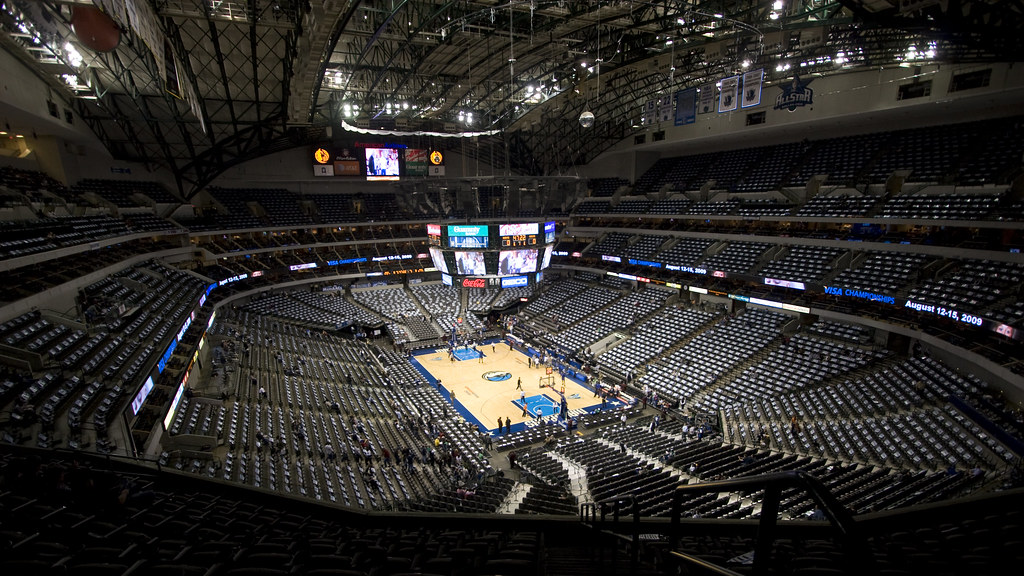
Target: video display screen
point(382, 164)
point(546, 261)
point(470, 263)
point(140, 398)
point(549, 232)
point(437, 257)
point(517, 261)
point(467, 241)
point(517, 229)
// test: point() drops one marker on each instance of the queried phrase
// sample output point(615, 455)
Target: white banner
point(752, 88)
point(727, 99)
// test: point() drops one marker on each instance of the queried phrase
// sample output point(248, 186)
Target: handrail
point(773, 484)
point(614, 505)
point(710, 567)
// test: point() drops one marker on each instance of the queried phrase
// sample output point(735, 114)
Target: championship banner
point(686, 106)
point(752, 88)
point(650, 109)
point(728, 99)
point(707, 99)
point(665, 108)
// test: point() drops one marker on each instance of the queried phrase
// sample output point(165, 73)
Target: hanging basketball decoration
point(94, 29)
point(587, 119)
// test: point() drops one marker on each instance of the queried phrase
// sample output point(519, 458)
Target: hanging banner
point(728, 99)
point(686, 106)
point(707, 99)
point(752, 88)
point(665, 108)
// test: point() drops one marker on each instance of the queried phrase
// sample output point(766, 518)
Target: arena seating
point(611, 244)
point(972, 285)
point(642, 247)
point(882, 431)
point(738, 257)
point(840, 331)
point(758, 208)
point(652, 338)
point(621, 314)
point(606, 187)
point(883, 272)
point(941, 207)
point(838, 206)
point(442, 302)
point(803, 263)
point(685, 252)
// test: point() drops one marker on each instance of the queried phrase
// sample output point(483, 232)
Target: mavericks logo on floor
point(496, 376)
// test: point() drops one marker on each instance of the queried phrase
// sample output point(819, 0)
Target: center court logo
point(496, 376)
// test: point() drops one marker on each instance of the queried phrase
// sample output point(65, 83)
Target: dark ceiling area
point(198, 86)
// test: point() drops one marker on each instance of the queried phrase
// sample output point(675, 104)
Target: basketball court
point(485, 384)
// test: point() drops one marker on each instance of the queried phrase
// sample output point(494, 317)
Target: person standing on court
point(519, 384)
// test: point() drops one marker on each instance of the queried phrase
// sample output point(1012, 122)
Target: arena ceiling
point(198, 86)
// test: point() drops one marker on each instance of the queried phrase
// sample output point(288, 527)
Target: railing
point(849, 534)
point(596, 514)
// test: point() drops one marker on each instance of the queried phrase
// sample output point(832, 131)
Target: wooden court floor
point(488, 400)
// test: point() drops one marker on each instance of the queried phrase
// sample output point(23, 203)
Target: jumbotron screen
point(437, 257)
point(491, 249)
point(382, 164)
point(470, 263)
point(517, 262)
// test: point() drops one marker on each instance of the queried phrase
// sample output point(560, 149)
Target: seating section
point(126, 193)
point(771, 172)
point(317, 310)
point(840, 206)
point(652, 338)
point(800, 363)
point(732, 165)
point(128, 318)
point(442, 302)
point(511, 295)
point(883, 272)
point(930, 154)
point(840, 331)
point(691, 369)
point(391, 302)
point(606, 187)
point(33, 237)
point(739, 257)
point(941, 207)
point(803, 264)
point(842, 160)
point(553, 295)
point(163, 526)
point(623, 313)
point(579, 306)
point(685, 252)
point(611, 244)
point(643, 247)
point(895, 417)
point(757, 209)
point(593, 206)
point(972, 286)
point(671, 205)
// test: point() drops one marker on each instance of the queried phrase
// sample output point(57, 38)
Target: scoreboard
point(518, 235)
point(491, 249)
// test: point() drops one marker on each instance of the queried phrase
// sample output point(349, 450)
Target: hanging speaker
point(94, 29)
